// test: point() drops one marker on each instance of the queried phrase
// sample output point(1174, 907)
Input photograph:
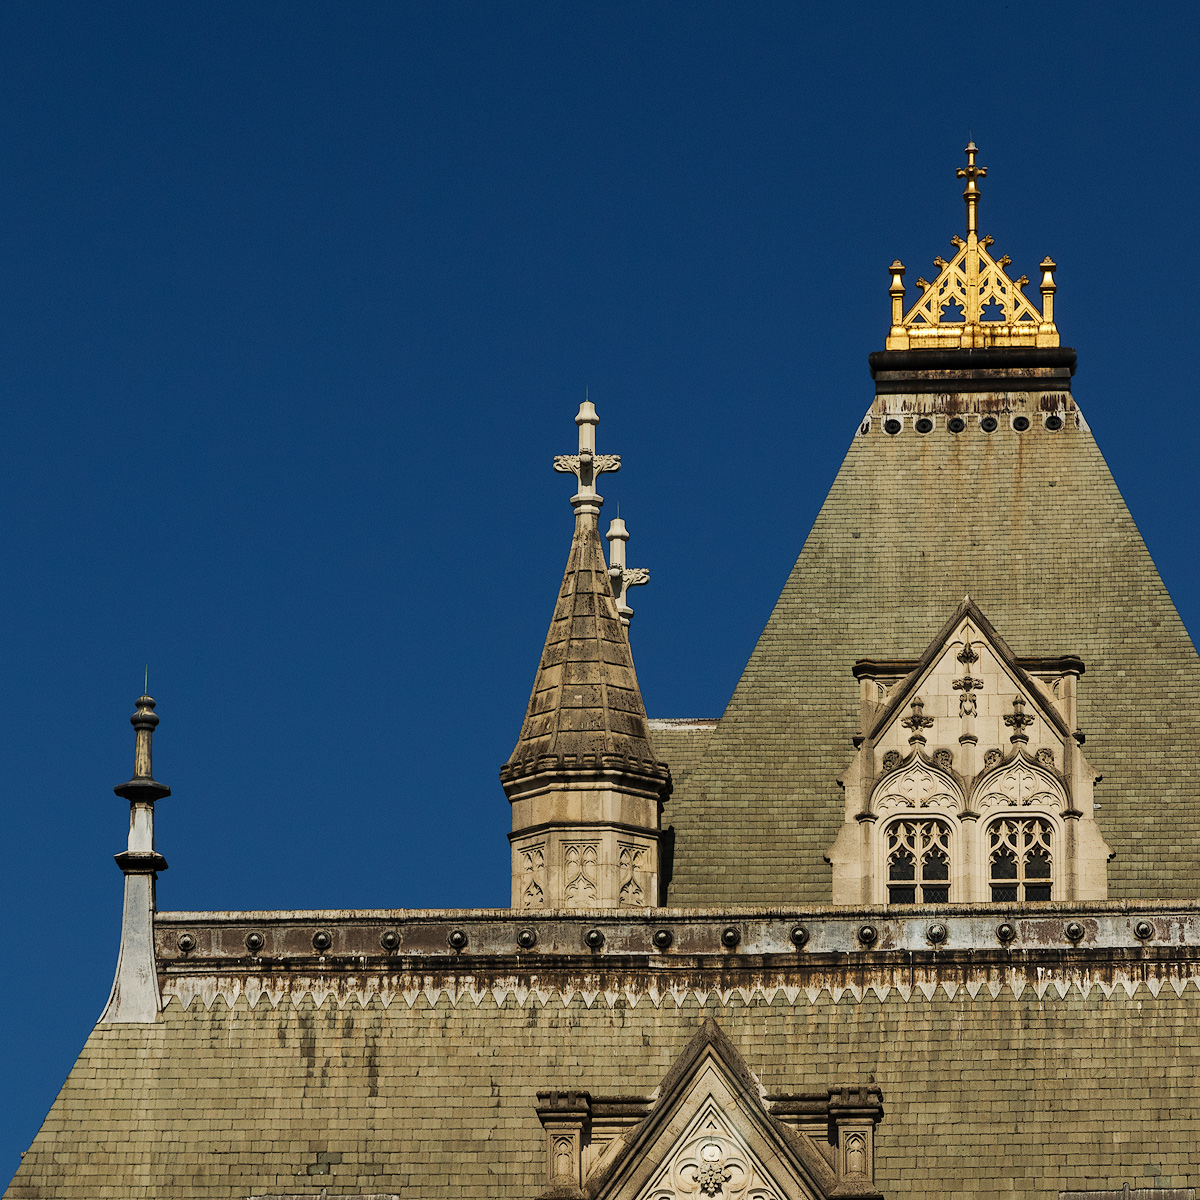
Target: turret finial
point(143, 785)
point(622, 577)
point(587, 464)
point(973, 303)
point(135, 998)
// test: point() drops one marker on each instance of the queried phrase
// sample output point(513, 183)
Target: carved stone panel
point(1020, 785)
point(580, 874)
point(916, 786)
point(533, 876)
point(633, 875)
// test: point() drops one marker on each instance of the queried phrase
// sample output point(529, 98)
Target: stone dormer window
point(970, 784)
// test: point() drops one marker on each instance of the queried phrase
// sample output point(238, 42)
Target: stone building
point(915, 916)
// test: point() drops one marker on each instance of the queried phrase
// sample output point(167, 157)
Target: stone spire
point(583, 779)
point(135, 997)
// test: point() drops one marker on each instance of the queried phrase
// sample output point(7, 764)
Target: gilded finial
point(972, 303)
point(971, 192)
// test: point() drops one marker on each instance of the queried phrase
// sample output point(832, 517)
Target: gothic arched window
point(1021, 858)
point(918, 862)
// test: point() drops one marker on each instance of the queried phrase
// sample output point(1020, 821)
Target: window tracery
point(1020, 859)
point(918, 862)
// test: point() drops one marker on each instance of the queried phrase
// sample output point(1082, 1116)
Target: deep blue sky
point(299, 300)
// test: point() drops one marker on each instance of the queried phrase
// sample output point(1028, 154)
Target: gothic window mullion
point(1020, 859)
point(918, 862)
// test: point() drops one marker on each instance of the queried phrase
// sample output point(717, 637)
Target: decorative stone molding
point(919, 784)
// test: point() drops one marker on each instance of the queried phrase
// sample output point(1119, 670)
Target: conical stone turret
point(585, 786)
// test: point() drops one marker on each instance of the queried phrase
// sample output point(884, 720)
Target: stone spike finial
point(587, 464)
point(916, 722)
point(135, 998)
point(622, 576)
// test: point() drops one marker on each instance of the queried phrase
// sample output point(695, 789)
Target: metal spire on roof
point(971, 192)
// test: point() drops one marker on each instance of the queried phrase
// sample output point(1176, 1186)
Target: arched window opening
point(1020, 858)
point(918, 862)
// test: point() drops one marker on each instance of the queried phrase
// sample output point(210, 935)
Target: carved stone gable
point(711, 1158)
point(711, 1132)
point(917, 785)
point(1019, 784)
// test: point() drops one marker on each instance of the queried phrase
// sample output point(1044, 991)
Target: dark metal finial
point(143, 785)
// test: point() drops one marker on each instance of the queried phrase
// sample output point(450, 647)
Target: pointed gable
point(967, 665)
point(710, 1133)
point(968, 784)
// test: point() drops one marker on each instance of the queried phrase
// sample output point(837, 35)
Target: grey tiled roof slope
point(440, 1102)
point(681, 744)
point(1033, 527)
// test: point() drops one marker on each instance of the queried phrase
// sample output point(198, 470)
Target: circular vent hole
point(1054, 422)
point(924, 425)
point(1020, 424)
point(988, 424)
point(956, 424)
point(892, 426)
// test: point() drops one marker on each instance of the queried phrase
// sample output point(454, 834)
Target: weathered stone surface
point(593, 705)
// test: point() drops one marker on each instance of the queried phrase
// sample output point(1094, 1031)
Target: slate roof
point(1033, 527)
point(440, 1101)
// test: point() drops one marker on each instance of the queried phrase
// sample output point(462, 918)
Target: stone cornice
point(712, 956)
point(792, 956)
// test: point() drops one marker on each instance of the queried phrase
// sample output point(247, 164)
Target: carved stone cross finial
point(916, 722)
point(587, 464)
point(622, 577)
point(968, 683)
point(971, 192)
point(1018, 720)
